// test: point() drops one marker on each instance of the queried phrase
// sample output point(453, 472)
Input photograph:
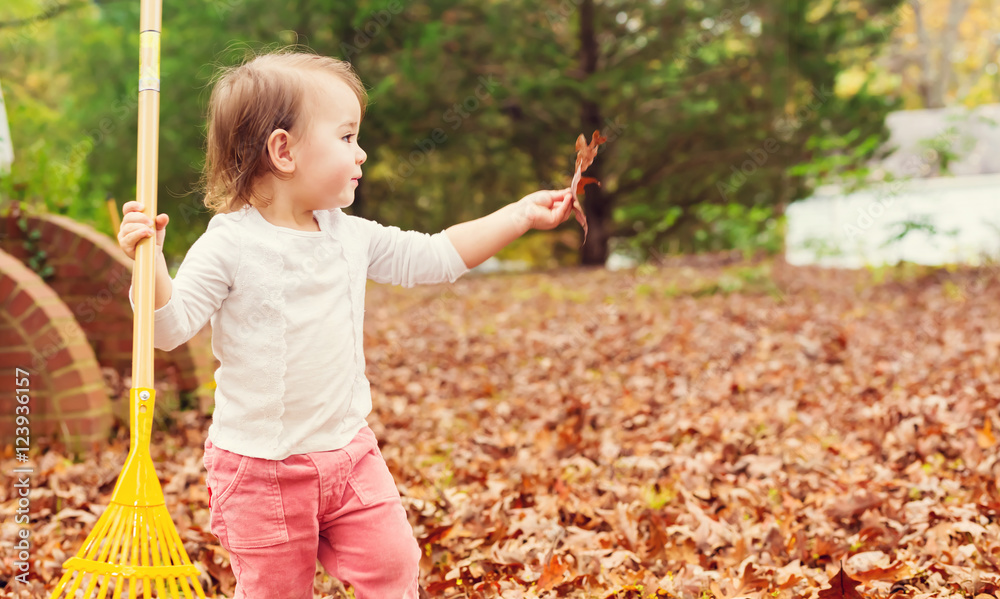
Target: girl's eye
point(347, 136)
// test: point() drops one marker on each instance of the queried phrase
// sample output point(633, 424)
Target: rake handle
point(144, 273)
point(138, 485)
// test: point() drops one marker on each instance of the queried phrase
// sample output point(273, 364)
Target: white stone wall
point(852, 230)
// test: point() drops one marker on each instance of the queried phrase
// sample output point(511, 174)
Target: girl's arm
point(202, 283)
point(478, 240)
point(410, 258)
point(163, 285)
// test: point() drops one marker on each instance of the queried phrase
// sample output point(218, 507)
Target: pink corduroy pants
point(276, 518)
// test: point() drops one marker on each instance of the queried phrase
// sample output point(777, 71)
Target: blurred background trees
point(709, 106)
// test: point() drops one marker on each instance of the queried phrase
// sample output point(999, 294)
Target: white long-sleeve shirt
point(287, 314)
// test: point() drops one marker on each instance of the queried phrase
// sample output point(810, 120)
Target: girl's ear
point(279, 151)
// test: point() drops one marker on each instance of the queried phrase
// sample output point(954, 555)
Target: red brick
point(50, 230)
point(81, 402)
point(35, 321)
point(14, 358)
point(115, 327)
point(7, 284)
point(8, 228)
point(82, 250)
point(70, 270)
point(9, 335)
point(16, 249)
point(100, 263)
point(34, 283)
point(71, 379)
point(71, 351)
point(19, 304)
point(119, 278)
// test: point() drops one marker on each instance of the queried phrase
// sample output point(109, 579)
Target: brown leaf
point(553, 572)
point(842, 586)
point(751, 581)
point(584, 181)
point(985, 436)
point(585, 154)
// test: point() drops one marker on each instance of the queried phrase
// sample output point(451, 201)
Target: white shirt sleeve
point(409, 258)
point(202, 283)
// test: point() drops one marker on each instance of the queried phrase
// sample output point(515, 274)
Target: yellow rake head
point(134, 547)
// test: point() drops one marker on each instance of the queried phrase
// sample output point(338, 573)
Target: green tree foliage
point(473, 104)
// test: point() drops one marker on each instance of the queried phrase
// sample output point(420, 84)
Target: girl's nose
point(362, 156)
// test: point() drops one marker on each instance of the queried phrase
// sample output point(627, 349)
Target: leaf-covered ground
point(697, 430)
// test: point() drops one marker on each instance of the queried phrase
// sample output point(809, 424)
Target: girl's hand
point(544, 210)
point(136, 226)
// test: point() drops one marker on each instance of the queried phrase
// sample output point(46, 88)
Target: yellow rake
point(134, 549)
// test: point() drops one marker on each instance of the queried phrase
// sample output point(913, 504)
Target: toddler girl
point(293, 470)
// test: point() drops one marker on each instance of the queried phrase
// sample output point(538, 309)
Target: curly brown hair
point(249, 102)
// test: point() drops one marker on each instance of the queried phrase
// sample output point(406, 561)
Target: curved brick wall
point(91, 276)
point(38, 333)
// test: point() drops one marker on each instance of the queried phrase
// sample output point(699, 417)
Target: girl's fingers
point(132, 228)
point(137, 218)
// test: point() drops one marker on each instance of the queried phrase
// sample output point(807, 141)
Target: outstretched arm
point(477, 240)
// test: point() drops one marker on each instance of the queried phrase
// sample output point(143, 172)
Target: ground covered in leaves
point(681, 430)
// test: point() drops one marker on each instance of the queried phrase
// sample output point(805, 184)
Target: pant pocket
point(371, 480)
point(248, 512)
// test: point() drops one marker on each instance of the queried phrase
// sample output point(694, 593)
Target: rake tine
point(90, 586)
point(176, 547)
point(62, 583)
point(77, 581)
point(119, 585)
point(156, 550)
point(147, 586)
point(166, 550)
point(183, 582)
point(112, 551)
point(93, 542)
point(123, 558)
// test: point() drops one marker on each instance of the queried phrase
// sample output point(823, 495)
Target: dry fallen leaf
point(674, 432)
point(585, 154)
point(985, 436)
point(842, 586)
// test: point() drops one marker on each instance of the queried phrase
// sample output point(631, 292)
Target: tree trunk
point(934, 82)
point(598, 204)
point(949, 38)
